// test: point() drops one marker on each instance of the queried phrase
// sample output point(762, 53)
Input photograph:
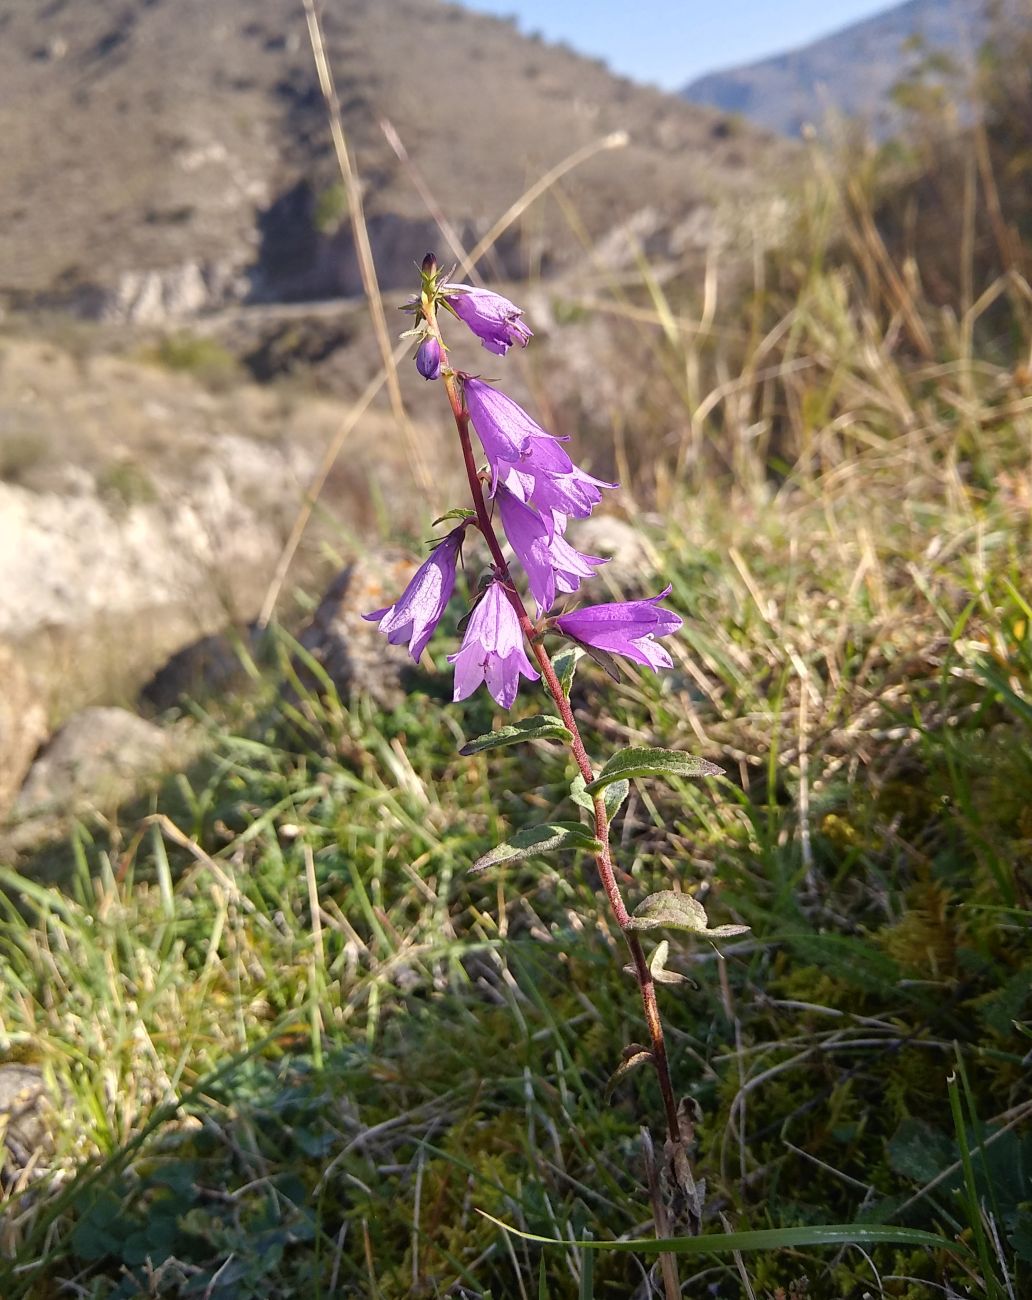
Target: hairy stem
point(603, 859)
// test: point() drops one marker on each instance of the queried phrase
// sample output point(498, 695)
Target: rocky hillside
point(854, 71)
point(164, 156)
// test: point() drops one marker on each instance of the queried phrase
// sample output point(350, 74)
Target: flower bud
point(428, 358)
point(429, 265)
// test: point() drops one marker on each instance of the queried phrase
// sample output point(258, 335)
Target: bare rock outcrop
point(350, 650)
point(23, 725)
point(162, 297)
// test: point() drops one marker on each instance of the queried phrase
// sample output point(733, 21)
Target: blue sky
point(669, 42)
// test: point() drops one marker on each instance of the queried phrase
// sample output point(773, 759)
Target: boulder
point(351, 651)
point(633, 560)
point(25, 1103)
point(23, 726)
point(98, 759)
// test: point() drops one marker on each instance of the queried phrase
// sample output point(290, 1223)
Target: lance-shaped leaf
point(651, 762)
point(565, 665)
point(672, 911)
point(724, 1243)
point(538, 839)
point(542, 727)
point(634, 1054)
point(603, 658)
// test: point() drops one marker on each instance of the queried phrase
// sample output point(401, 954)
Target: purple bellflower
point(492, 650)
point(417, 611)
point(625, 628)
point(428, 358)
point(551, 563)
point(529, 461)
point(493, 319)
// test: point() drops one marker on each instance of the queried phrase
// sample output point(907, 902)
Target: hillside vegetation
point(299, 1050)
point(226, 189)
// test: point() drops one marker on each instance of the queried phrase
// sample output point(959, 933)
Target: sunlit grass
point(296, 1048)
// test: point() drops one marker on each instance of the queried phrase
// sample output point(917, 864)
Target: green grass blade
point(831, 1234)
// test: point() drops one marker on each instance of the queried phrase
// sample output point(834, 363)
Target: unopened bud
point(428, 358)
point(429, 265)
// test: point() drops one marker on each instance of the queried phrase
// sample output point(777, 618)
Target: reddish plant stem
point(603, 859)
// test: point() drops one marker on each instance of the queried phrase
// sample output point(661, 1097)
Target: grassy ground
point(301, 1049)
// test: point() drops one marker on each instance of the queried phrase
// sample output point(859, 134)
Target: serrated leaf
point(646, 761)
point(541, 727)
point(565, 665)
point(634, 1054)
point(672, 911)
point(533, 840)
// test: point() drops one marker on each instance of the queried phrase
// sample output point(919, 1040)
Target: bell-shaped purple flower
point(417, 611)
point(529, 461)
point(428, 358)
point(551, 563)
point(625, 627)
point(492, 650)
point(493, 319)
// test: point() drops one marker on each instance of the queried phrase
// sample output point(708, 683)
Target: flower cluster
point(536, 489)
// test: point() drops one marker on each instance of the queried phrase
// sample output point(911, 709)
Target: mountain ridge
point(850, 72)
point(171, 156)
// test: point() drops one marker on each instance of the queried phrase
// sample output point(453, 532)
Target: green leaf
point(657, 966)
point(720, 1243)
point(533, 840)
point(614, 796)
point(101, 1228)
point(541, 727)
point(587, 1278)
point(634, 1054)
point(579, 795)
point(603, 658)
point(920, 1152)
point(651, 762)
point(672, 911)
point(565, 665)
point(460, 512)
